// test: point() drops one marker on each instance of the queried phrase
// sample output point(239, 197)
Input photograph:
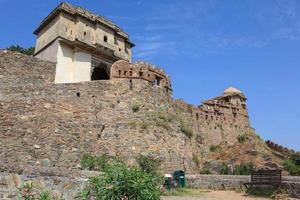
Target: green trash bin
point(168, 183)
point(179, 177)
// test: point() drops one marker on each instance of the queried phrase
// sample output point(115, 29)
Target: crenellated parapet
point(141, 70)
point(281, 148)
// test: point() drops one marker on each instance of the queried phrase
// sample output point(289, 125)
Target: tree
point(17, 48)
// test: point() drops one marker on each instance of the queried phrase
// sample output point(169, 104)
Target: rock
point(37, 146)
point(45, 162)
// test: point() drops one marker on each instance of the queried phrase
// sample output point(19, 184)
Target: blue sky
point(205, 46)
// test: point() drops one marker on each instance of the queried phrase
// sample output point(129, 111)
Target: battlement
point(141, 70)
point(281, 148)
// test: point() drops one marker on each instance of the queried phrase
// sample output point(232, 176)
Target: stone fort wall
point(58, 123)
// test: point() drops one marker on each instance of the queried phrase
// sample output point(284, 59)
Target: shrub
point(163, 124)
point(91, 162)
point(225, 170)
point(265, 191)
point(205, 171)
point(165, 117)
point(17, 48)
point(196, 160)
point(188, 132)
point(295, 158)
point(148, 163)
point(291, 166)
point(241, 138)
point(122, 182)
point(243, 169)
point(27, 193)
point(214, 148)
point(135, 108)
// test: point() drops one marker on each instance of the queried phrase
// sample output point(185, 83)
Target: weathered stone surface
point(60, 122)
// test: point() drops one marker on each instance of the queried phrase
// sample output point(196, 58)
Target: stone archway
point(100, 72)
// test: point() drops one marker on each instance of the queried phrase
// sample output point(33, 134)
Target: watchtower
point(82, 44)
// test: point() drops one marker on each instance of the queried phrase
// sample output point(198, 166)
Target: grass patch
point(214, 148)
point(163, 124)
point(196, 159)
point(184, 192)
point(133, 124)
point(292, 165)
point(241, 138)
point(186, 131)
point(263, 191)
point(164, 117)
point(135, 108)
point(144, 125)
point(205, 171)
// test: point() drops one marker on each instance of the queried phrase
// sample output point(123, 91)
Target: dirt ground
point(217, 195)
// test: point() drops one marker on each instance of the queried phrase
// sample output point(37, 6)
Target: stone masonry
point(40, 120)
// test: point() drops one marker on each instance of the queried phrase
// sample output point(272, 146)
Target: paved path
point(217, 195)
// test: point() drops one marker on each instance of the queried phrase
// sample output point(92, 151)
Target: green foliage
point(292, 165)
point(225, 170)
point(295, 158)
point(163, 124)
point(148, 163)
point(243, 169)
point(187, 131)
point(44, 196)
point(17, 48)
point(122, 182)
point(265, 191)
point(91, 162)
point(135, 108)
point(196, 159)
point(214, 148)
point(164, 117)
point(241, 138)
point(27, 193)
point(205, 171)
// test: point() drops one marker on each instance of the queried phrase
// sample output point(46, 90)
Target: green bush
point(135, 108)
point(241, 138)
point(148, 163)
point(91, 162)
point(243, 169)
point(295, 158)
point(205, 171)
point(17, 48)
point(291, 166)
point(27, 193)
point(122, 182)
point(214, 148)
point(225, 170)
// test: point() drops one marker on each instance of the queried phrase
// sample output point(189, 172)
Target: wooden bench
point(265, 177)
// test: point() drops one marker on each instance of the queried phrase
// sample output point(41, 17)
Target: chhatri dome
point(232, 90)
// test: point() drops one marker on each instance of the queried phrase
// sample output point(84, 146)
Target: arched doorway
point(100, 72)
